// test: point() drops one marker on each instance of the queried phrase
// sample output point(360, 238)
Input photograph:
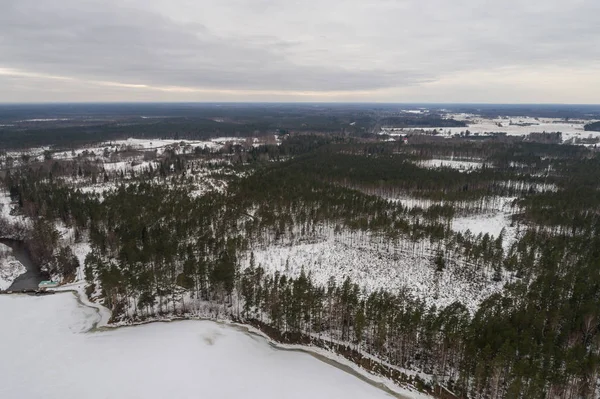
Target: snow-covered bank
point(78, 288)
point(44, 338)
point(10, 267)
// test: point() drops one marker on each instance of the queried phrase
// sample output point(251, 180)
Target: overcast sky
point(515, 51)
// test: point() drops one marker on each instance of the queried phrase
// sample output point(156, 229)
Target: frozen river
point(45, 352)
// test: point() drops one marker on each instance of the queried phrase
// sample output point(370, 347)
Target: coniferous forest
point(178, 232)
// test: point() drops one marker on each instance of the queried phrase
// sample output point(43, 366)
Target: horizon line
point(3, 103)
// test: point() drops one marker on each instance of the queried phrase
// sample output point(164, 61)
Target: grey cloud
point(141, 47)
point(314, 45)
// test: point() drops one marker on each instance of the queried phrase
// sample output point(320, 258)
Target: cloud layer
point(404, 50)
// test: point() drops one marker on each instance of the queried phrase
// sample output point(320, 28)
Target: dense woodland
point(158, 250)
point(593, 127)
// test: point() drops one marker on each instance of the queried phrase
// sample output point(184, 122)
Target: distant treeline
point(68, 126)
point(421, 122)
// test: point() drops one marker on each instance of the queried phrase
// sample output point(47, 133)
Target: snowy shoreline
point(10, 267)
point(329, 357)
point(53, 356)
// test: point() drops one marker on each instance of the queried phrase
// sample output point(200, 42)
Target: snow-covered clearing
point(126, 166)
point(529, 186)
point(497, 218)
point(52, 356)
point(413, 202)
point(101, 189)
point(36, 153)
point(450, 163)
point(489, 215)
point(10, 268)
point(374, 266)
point(492, 224)
point(181, 146)
point(161, 144)
point(7, 208)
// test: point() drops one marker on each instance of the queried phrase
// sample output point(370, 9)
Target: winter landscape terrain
point(389, 256)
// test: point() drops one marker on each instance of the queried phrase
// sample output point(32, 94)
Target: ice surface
point(47, 354)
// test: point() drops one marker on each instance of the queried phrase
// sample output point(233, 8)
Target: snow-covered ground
point(103, 151)
point(450, 163)
point(183, 146)
point(496, 203)
point(49, 355)
point(521, 126)
point(6, 209)
point(512, 126)
point(36, 153)
point(161, 144)
point(491, 223)
point(10, 268)
point(490, 215)
point(380, 265)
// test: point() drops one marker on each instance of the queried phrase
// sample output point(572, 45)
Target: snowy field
point(512, 126)
point(521, 126)
point(48, 354)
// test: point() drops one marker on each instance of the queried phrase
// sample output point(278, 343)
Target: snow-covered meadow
point(517, 126)
point(49, 353)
